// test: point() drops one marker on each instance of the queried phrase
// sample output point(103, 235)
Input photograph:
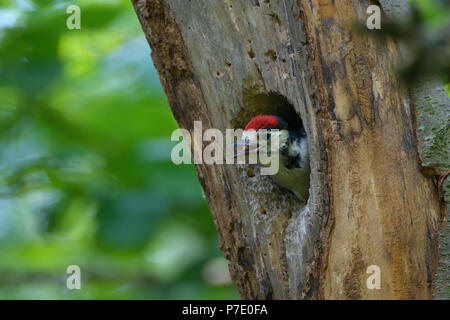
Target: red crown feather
point(262, 122)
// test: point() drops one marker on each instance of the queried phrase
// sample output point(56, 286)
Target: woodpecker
point(294, 169)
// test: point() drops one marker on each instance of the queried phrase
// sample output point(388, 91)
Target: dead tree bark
point(222, 62)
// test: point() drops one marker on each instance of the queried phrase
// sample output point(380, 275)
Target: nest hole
point(256, 101)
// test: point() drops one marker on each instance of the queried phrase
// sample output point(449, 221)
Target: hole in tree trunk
point(257, 101)
point(294, 172)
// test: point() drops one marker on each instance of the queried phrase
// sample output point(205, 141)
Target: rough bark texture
point(221, 62)
point(433, 132)
point(432, 105)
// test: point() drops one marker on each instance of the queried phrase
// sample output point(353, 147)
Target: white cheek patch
point(299, 149)
point(294, 149)
point(303, 148)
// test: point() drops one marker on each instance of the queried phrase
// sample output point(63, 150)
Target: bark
point(433, 125)
point(432, 105)
point(222, 62)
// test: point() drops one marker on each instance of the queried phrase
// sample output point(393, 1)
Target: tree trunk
point(222, 62)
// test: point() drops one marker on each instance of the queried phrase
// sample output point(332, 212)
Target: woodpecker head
point(262, 128)
point(291, 145)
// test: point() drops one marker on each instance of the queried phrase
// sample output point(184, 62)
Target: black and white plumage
point(294, 169)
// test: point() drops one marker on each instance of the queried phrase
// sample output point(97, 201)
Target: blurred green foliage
point(85, 170)
point(424, 35)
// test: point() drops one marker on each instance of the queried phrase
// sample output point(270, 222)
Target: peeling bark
point(222, 62)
